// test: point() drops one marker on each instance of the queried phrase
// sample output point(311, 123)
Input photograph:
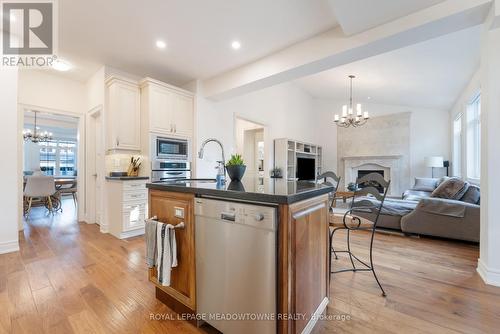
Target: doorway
point(95, 167)
point(251, 144)
point(50, 164)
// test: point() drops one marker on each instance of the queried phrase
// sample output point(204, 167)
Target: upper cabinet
point(123, 114)
point(167, 109)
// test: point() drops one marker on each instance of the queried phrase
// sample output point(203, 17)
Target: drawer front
point(133, 185)
point(134, 216)
point(136, 195)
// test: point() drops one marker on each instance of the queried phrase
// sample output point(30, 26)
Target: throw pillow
point(451, 189)
point(425, 184)
point(442, 179)
point(472, 195)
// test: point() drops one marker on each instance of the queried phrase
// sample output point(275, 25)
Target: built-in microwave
point(170, 148)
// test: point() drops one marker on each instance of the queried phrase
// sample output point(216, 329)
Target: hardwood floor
point(70, 278)
point(431, 284)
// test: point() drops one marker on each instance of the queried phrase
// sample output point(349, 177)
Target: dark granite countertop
point(274, 191)
point(126, 178)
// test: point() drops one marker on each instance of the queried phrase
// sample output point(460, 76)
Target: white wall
point(43, 89)
point(285, 110)
point(11, 183)
point(429, 132)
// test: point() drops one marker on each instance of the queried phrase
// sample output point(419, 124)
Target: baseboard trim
point(315, 316)
point(132, 233)
point(9, 246)
point(489, 276)
point(103, 228)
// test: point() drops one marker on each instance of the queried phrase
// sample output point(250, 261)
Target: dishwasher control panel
point(255, 215)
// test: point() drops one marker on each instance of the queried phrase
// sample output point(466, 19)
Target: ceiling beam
point(333, 48)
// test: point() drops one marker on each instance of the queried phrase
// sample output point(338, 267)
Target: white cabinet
point(167, 109)
point(127, 208)
point(183, 115)
point(123, 114)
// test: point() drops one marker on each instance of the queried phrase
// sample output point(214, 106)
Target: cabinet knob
point(259, 217)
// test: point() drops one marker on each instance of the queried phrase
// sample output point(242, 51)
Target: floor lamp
point(434, 162)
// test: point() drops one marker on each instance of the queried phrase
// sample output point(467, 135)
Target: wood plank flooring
point(70, 278)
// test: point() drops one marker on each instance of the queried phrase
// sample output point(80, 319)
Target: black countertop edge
point(126, 178)
point(243, 196)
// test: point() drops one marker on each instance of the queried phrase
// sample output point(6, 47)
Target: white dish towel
point(166, 257)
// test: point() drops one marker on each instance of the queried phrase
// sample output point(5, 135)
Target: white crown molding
point(489, 276)
point(9, 246)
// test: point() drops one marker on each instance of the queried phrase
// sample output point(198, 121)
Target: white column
point(489, 261)
point(10, 168)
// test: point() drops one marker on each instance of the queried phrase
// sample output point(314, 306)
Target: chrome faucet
point(223, 162)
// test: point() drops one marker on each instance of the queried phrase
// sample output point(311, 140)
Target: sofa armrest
point(428, 219)
point(445, 207)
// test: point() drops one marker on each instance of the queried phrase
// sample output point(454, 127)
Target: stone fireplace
point(388, 166)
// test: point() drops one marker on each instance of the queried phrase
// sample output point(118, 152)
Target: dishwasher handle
point(228, 216)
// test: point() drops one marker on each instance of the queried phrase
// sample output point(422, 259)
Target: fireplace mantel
point(365, 157)
point(389, 163)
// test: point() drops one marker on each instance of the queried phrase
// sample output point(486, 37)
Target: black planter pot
point(236, 172)
point(236, 186)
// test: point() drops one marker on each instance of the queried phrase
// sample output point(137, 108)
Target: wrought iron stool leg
point(372, 267)
point(331, 250)
point(331, 245)
point(349, 249)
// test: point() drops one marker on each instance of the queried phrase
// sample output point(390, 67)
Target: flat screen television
point(305, 168)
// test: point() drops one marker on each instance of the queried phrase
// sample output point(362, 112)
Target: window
point(457, 146)
point(67, 158)
point(474, 139)
point(48, 156)
point(58, 157)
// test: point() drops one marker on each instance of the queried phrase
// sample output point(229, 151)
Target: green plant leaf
point(236, 160)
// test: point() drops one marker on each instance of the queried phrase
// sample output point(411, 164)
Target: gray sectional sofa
point(446, 207)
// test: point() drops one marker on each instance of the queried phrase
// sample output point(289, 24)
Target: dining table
point(56, 198)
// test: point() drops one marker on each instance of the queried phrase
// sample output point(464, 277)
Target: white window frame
point(58, 148)
point(458, 146)
point(473, 140)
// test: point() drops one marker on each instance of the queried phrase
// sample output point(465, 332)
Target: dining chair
point(40, 186)
point(368, 198)
point(331, 179)
point(69, 189)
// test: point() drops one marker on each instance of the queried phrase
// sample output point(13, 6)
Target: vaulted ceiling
point(429, 74)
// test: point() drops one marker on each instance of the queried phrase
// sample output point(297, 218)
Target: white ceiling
point(122, 33)
point(430, 74)
point(355, 16)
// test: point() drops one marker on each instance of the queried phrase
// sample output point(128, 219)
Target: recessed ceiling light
point(61, 65)
point(369, 97)
point(161, 44)
point(236, 45)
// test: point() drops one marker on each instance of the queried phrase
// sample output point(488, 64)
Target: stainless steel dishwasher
point(236, 266)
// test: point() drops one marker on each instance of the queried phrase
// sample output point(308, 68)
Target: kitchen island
point(299, 259)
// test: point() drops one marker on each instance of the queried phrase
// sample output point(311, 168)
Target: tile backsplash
point(119, 162)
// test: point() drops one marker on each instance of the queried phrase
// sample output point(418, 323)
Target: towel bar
point(179, 226)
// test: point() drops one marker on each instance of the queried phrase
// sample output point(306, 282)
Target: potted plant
point(236, 167)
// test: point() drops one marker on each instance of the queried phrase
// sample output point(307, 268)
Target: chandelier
point(36, 136)
point(348, 118)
